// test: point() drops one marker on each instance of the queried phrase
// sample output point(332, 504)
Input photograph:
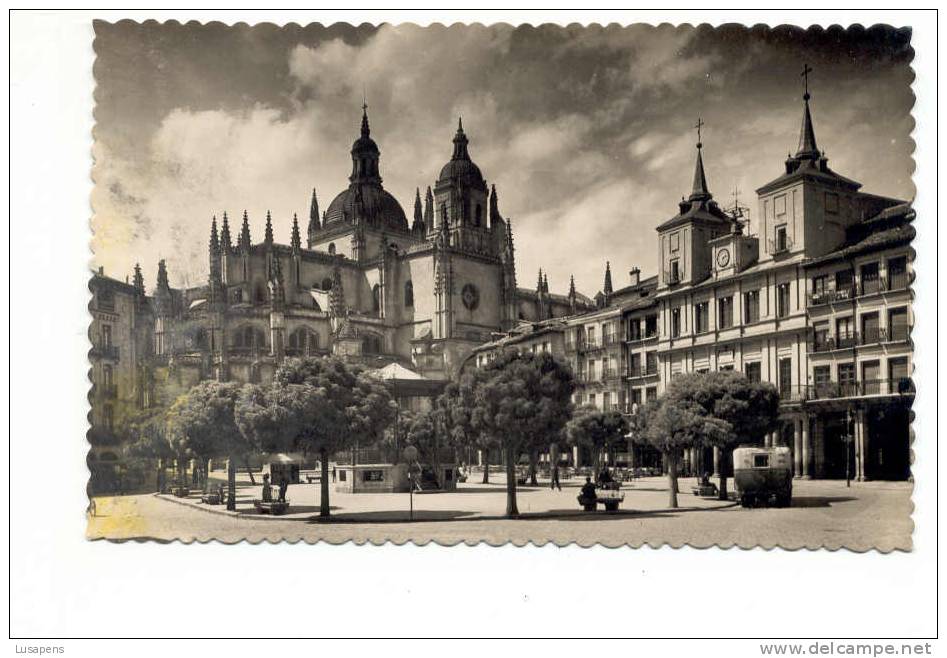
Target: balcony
point(834, 390)
point(672, 278)
point(105, 352)
point(105, 391)
point(831, 295)
point(590, 345)
point(829, 344)
point(610, 374)
point(610, 340)
point(898, 281)
point(640, 372)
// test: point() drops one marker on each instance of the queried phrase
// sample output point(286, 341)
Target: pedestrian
point(267, 494)
point(333, 473)
point(554, 467)
point(283, 486)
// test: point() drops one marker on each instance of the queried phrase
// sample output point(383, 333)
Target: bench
point(609, 498)
point(709, 489)
point(274, 507)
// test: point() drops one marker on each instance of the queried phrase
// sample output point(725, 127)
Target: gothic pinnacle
point(295, 240)
point(244, 241)
point(268, 234)
point(225, 241)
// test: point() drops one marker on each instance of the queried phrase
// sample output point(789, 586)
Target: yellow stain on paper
point(116, 517)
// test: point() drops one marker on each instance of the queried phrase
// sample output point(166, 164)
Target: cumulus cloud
point(585, 131)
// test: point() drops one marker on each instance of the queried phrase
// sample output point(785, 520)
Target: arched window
point(332, 248)
point(302, 341)
point(200, 339)
point(248, 337)
point(327, 284)
point(478, 215)
point(371, 344)
point(443, 213)
point(408, 294)
point(376, 298)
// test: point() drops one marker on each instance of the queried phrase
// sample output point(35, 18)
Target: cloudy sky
point(586, 132)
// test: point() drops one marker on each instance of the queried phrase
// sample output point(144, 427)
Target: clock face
point(723, 257)
point(470, 296)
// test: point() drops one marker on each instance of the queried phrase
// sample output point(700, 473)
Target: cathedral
point(366, 284)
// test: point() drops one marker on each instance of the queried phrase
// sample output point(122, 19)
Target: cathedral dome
point(378, 208)
point(461, 169)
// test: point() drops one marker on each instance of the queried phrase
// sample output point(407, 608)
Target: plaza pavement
point(823, 514)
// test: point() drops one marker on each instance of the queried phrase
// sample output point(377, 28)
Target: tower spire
point(429, 210)
point(494, 207)
point(214, 241)
point(139, 280)
point(607, 288)
point(460, 143)
point(268, 233)
point(314, 224)
point(366, 131)
point(418, 225)
point(244, 242)
point(807, 145)
point(225, 242)
point(699, 192)
point(295, 241)
point(539, 282)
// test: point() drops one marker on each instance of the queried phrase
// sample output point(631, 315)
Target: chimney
point(635, 274)
point(101, 270)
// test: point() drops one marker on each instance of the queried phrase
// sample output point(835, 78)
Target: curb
point(342, 520)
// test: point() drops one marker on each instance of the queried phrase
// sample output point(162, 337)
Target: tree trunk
point(159, 476)
point(324, 484)
point(726, 459)
point(672, 479)
point(206, 475)
point(231, 485)
point(533, 458)
point(511, 509)
point(486, 467)
point(246, 464)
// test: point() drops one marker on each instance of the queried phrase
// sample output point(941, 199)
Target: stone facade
point(813, 296)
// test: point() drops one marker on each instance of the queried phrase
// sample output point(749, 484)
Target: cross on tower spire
point(700, 124)
point(806, 70)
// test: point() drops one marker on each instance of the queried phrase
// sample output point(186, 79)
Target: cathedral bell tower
point(460, 200)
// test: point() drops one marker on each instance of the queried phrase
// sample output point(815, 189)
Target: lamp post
point(848, 448)
point(411, 455)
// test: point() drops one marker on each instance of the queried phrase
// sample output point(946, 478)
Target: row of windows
point(870, 327)
point(620, 401)
point(725, 314)
point(843, 282)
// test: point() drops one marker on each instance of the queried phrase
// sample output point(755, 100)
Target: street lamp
point(848, 450)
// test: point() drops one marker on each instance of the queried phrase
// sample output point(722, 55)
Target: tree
point(750, 409)
point(316, 405)
point(148, 440)
point(202, 423)
point(518, 399)
point(455, 406)
point(597, 430)
point(671, 425)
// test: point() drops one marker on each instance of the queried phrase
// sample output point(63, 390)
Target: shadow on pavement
point(395, 516)
point(819, 501)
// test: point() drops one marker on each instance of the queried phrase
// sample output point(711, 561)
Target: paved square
point(824, 513)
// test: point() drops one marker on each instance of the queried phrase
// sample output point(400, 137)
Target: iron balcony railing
point(105, 352)
point(830, 295)
point(106, 391)
point(830, 343)
point(836, 390)
point(642, 371)
point(672, 278)
point(870, 286)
